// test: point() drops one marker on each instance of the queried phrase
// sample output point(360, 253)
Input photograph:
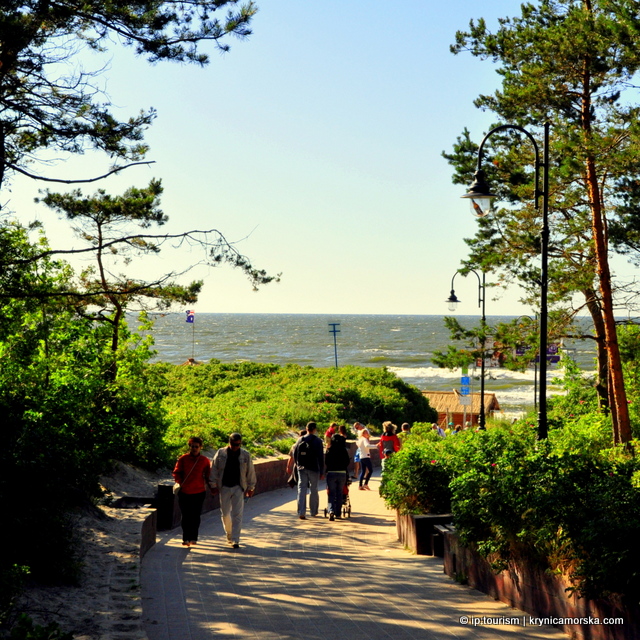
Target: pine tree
point(47, 100)
point(569, 62)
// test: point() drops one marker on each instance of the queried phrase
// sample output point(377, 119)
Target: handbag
point(292, 480)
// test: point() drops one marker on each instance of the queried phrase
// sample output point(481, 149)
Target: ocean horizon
point(404, 344)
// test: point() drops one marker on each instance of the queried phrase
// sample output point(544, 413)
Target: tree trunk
point(112, 370)
point(602, 358)
point(617, 393)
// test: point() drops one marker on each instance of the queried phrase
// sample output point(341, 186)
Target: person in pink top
point(192, 473)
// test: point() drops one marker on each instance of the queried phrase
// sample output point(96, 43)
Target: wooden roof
point(443, 401)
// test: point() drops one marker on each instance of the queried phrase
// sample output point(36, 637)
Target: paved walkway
point(312, 580)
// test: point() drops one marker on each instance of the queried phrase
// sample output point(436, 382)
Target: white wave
point(499, 375)
point(425, 372)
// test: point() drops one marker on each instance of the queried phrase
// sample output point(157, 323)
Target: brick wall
point(270, 474)
point(541, 595)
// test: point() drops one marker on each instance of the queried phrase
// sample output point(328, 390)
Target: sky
point(316, 144)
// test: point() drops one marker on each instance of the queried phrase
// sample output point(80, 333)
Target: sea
point(404, 344)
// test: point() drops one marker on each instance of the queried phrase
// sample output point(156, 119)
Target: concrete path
point(313, 580)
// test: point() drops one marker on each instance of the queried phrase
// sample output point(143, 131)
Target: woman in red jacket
point(192, 473)
point(389, 442)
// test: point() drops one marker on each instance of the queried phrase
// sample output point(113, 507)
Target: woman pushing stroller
point(336, 461)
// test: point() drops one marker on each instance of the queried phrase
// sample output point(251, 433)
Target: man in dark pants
point(309, 459)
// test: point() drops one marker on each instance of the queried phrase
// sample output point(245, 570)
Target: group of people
point(231, 475)
point(310, 460)
point(452, 429)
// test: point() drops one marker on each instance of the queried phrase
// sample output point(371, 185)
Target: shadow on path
point(311, 580)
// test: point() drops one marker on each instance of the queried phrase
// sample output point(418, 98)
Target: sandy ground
point(106, 603)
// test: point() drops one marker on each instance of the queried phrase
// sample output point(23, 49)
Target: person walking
point(309, 459)
point(291, 471)
point(405, 430)
point(192, 473)
point(336, 460)
point(357, 427)
point(389, 443)
point(234, 477)
point(438, 430)
point(366, 467)
point(333, 428)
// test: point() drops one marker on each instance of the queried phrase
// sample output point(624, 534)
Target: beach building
point(450, 409)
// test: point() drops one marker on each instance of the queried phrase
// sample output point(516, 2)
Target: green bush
point(65, 417)
point(266, 402)
point(25, 629)
point(416, 480)
point(12, 580)
point(567, 503)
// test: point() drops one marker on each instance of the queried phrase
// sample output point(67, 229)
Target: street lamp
point(480, 197)
point(453, 303)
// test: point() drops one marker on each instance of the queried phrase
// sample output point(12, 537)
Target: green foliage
point(65, 417)
point(567, 63)
point(63, 421)
point(416, 479)
point(266, 401)
point(25, 629)
point(580, 397)
point(49, 98)
point(629, 340)
point(569, 503)
point(12, 581)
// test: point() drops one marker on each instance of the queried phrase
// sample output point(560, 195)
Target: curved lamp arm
point(453, 299)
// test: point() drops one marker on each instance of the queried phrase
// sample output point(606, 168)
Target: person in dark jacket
point(336, 461)
point(309, 459)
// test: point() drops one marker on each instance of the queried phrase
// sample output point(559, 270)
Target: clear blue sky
point(319, 138)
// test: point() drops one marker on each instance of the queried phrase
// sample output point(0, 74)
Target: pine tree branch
point(106, 175)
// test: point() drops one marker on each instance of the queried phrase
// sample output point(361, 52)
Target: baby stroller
point(346, 503)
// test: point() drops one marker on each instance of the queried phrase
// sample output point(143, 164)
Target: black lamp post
point(480, 197)
point(453, 302)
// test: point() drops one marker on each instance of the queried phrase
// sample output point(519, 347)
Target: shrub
point(567, 503)
point(266, 402)
point(12, 581)
point(416, 480)
point(25, 629)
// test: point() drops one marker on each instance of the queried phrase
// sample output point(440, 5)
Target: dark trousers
point(366, 469)
point(335, 485)
point(191, 508)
